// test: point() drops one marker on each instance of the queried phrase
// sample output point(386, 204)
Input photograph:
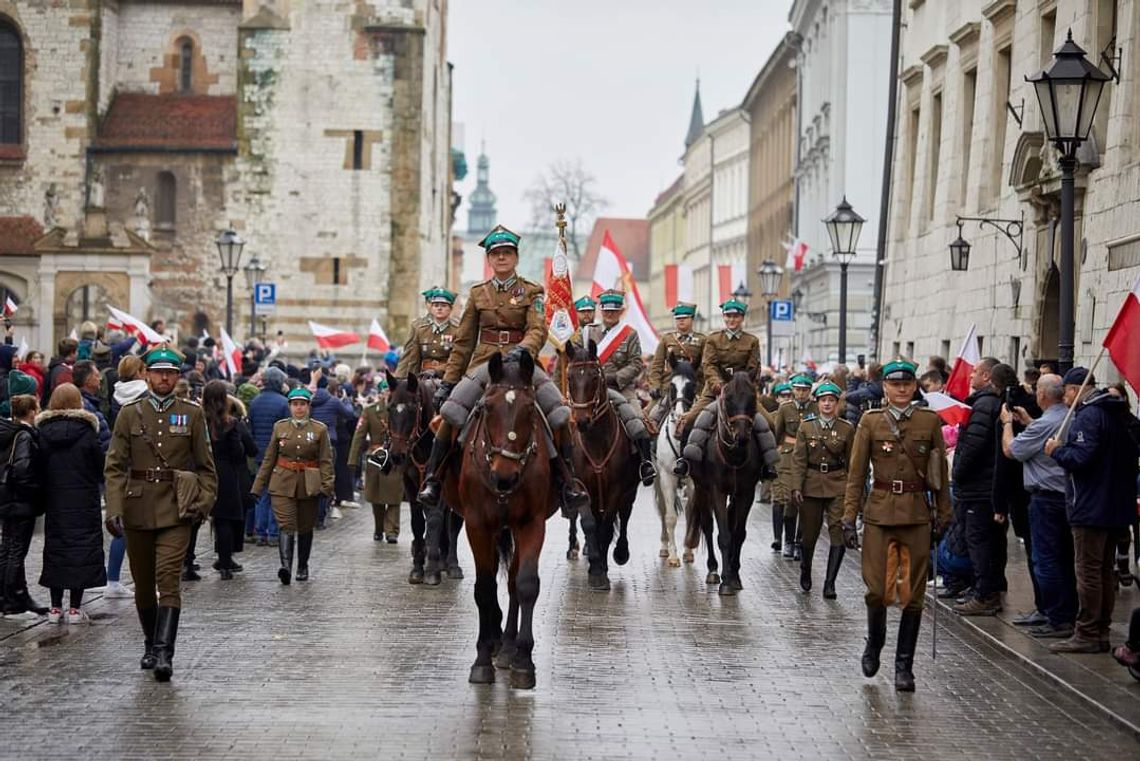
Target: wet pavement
point(357, 663)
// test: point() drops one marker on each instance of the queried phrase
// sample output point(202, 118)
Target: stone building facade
point(971, 144)
point(667, 247)
point(319, 131)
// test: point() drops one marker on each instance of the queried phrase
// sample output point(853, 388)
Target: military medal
point(888, 447)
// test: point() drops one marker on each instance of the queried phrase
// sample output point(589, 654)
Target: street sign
point(781, 311)
point(265, 299)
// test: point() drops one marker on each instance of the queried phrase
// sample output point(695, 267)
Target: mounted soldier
point(432, 337)
point(682, 343)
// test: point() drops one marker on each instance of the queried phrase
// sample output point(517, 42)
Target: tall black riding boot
point(148, 619)
point(285, 553)
point(876, 638)
point(777, 525)
point(304, 547)
point(834, 561)
point(165, 633)
point(648, 470)
point(805, 572)
point(681, 466)
point(904, 655)
point(575, 498)
point(789, 537)
point(433, 478)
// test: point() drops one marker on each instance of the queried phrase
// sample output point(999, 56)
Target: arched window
point(11, 84)
point(166, 197)
point(185, 65)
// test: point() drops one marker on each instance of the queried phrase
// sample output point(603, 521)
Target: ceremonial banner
point(331, 338)
point(1123, 339)
point(613, 271)
point(958, 386)
point(377, 339)
point(561, 319)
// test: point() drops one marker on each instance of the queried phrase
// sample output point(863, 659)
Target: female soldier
point(298, 468)
point(384, 490)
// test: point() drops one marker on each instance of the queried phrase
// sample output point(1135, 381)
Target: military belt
point(501, 337)
point(900, 487)
point(154, 475)
point(433, 364)
point(283, 462)
point(824, 467)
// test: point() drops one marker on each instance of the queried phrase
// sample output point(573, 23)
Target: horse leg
point(507, 652)
point(706, 525)
point(454, 526)
point(621, 549)
point(605, 535)
point(724, 542)
point(434, 524)
point(660, 489)
point(419, 525)
point(572, 548)
point(528, 546)
point(482, 544)
point(741, 505)
point(590, 530)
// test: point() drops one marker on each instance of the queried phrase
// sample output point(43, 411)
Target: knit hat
point(20, 383)
point(274, 378)
point(247, 391)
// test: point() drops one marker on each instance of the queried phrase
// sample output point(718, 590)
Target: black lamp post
point(1068, 93)
point(844, 226)
point(230, 246)
point(770, 276)
point(254, 273)
point(742, 293)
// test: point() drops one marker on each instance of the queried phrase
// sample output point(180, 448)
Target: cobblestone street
point(357, 663)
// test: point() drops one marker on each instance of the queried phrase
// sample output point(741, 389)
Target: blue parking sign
point(781, 311)
point(265, 298)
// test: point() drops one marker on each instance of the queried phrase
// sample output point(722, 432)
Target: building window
point(357, 149)
point(946, 349)
point(11, 85)
point(969, 91)
point(909, 350)
point(185, 65)
point(896, 349)
point(1015, 351)
point(1048, 33)
point(933, 153)
point(1002, 72)
point(166, 197)
point(912, 161)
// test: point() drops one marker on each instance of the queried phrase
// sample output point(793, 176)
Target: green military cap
point(900, 370)
point(436, 293)
point(163, 357)
point(801, 380)
point(585, 303)
point(500, 237)
point(733, 306)
point(301, 393)
point(827, 388)
point(684, 310)
point(611, 300)
point(782, 388)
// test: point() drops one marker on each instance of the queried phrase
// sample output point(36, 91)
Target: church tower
point(481, 215)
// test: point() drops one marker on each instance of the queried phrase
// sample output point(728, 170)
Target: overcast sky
point(609, 81)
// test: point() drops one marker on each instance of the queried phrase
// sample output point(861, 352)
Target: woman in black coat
point(72, 464)
point(19, 504)
point(232, 445)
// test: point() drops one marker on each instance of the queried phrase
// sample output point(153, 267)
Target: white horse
point(672, 491)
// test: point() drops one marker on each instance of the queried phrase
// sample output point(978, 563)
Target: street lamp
point(844, 226)
point(742, 293)
point(254, 273)
point(230, 246)
point(770, 275)
point(1068, 93)
point(960, 253)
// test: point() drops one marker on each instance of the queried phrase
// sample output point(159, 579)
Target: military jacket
point(722, 356)
point(904, 465)
point(427, 348)
point(786, 423)
point(624, 363)
point(140, 489)
point(689, 347)
point(819, 462)
point(292, 450)
point(373, 427)
point(497, 320)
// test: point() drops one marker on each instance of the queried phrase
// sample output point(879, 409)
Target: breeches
point(631, 418)
point(295, 515)
point(781, 492)
point(386, 518)
point(812, 513)
point(895, 562)
point(156, 562)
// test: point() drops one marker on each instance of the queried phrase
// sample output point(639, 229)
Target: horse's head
point(738, 405)
point(585, 383)
point(682, 384)
point(510, 421)
point(405, 408)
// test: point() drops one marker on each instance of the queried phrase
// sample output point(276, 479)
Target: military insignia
point(813, 443)
point(539, 306)
point(922, 448)
point(888, 447)
point(518, 292)
point(514, 301)
point(1079, 438)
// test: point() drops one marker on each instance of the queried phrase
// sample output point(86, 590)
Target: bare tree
point(569, 182)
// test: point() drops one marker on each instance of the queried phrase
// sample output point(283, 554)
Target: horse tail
point(506, 549)
point(693, 522)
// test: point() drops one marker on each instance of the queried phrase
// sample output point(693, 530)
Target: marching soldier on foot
point(432, 337)
point(155, 437)
point(622, 369)
point(383, 485)
point(786, 423)
point(908, 503)
point(819, 479)
point(682, 343)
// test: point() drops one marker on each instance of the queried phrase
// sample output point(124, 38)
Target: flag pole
point(560, 223)
point(1080, 392)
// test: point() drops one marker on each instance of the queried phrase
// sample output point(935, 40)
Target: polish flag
point(952, 411)
point(10, 307)
point(613, 271)
point(377, 339)
point(132, 326)
point(678, 284)
point(728, 277)
point(1123, 339)
point(969, 356)
point(231, 354)
point(613, 339)
point(331, 338)
point(797, 251)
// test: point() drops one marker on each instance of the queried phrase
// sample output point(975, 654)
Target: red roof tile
point(631, 237)
point(17, 234)
point(188, 122)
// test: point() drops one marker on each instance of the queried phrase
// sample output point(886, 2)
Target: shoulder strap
point(150, 443)
point(919, 466)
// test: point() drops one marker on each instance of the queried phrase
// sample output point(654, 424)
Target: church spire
point(696, 120)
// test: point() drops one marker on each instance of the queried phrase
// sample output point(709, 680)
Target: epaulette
point(190, 401)
point(809, 416)
point(874, 411)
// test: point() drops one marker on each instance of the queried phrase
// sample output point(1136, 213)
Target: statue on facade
point(51, 207)
point(95, 188)
point(142, 214)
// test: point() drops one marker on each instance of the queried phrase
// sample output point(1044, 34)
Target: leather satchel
point(187, 487)
point(312, 482)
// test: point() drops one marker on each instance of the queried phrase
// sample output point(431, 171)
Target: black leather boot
point(433, 478)
point(575, 498)
point(834, 561)
point(647, 471)
point(419, 552)
point(304, 547)
point(876, 637)
point(777, 526)
point(148, 619)
point(904, 655)
point(285, 552)
point(789, 537)
point(165, 633)
point(805, 573)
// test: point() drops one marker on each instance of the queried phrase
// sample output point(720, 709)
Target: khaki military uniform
point(384, 491)
point(896, 517)
point(819, 472)
point(293, 453)
point(687, 346)
point(721, 356)
point(140, 489)
point(786, 422)
point(427, 348)
point(496, 320)
point(624, 366)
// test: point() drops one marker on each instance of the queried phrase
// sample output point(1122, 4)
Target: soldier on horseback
point(621, 370)
point(682, 343)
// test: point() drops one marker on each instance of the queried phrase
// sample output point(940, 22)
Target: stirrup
point(575, 497)
point(647, 473)
point(681, 467)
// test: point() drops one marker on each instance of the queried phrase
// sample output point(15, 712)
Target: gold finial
point(560, 219)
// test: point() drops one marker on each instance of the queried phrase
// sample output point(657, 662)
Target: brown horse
point(503, 488)
point(736, 458)
point(409, 442)
point(604, 459)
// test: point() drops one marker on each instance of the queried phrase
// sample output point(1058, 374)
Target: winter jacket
point(264, 411)
point(91, 404)
point(867, 396)
point(230, 452)
point(1101, 459)
point(978, 447)
point(1010, 496)
point(19, 445)
point(73, 523)
point(328, 409)
point(58, 372)
point(125, 392)
point(7, 356)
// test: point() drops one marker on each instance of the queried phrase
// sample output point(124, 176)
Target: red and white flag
point(729, 276)
point(10, 306)
point(132, 326)
point(613, 271)
point(958, 386)
point(797, 252)
point(331, 338)
point(377, 339)
point(613, 339)
point(1123, 339)
point(678, 284)
point(231, 354)
point(952, 411)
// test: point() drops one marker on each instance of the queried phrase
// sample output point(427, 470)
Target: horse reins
point(491, 451)
point(722, 424)
point(599, 407)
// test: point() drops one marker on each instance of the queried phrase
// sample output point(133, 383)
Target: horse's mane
point(684, 368)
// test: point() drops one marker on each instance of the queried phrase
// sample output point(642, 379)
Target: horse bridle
point(722, 429)
point(490, 451)
point(413, 439)
point(687, 404)
point(598, 404)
